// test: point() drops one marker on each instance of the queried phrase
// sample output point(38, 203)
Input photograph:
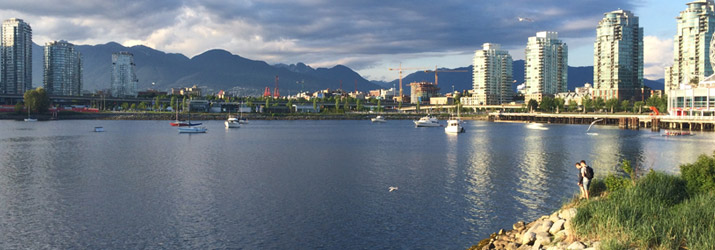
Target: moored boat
point(193, 129)
point(378, 118)
point(232, 122)
point(454, 126)
point(427, 121)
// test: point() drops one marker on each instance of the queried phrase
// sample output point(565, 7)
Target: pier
point(653, 122)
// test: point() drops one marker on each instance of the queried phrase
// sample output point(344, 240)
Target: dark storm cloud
point(377, 27)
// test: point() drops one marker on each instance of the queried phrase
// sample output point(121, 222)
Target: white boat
point(232, 122)
point(536, 126)
point(379, 118)
point(241, 120)
point(98, 129)
point(427, 121)
point(193, 129)
point(454, 125)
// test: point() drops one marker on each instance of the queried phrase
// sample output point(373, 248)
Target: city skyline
point(367, 39)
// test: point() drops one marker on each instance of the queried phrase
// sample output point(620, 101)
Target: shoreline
point(223, 116)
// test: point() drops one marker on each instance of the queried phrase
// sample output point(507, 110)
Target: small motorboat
point(454, 126)
point(232, 122)
point(183, 124)
point(427, 121)
point(677, 133)
point(379, 118)
point(98, 129)
point(193, 129)
point(536, 126)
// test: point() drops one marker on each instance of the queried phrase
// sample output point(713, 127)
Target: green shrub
point(699, 176)
point(616, 183)
point(597, 187)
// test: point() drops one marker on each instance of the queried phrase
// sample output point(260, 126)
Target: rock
point(596, 245)
point(544, 227)
point(511, 246)
point(557, 226)
point(533, 226)
point(555, 216)
point(567, 214)
point(528, 238)
point(500, 244)
point(524, 247)
point(519, 226)
point(542, 239)
point(560, 236)
point(501, 231)
point(576, 246)
point(536, 246)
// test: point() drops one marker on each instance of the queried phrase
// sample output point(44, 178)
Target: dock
point(626, 121)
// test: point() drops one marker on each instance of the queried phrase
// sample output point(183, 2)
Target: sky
point(368, 36)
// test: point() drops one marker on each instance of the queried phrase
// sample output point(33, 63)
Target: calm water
point(297, 184)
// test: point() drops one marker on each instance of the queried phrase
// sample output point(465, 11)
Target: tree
point(379, 105)
point(639, 106)
point(358, 105)
point(611, 104)
point(587, 104)
point(125, 106)
point(599, 103)
point(173, 103)
point(559, 103)
point(18, 107)
point(337, 105)
point(625, 105)
point(142, 106)
point(157, 103)
point(546, 104)
point(573, 105)
point(133, 106)
point(37, 100)
point(533, 104)
point(289, 104)
point(315, 103)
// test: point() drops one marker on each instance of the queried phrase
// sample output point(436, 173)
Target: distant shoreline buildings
point(16, 57)
point(62, 69)
point(546, 66)
point(492, 75)
point(124, 79)
point(618, 57)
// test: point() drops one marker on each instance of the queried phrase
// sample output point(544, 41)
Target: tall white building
point(62, 69)
point(16, 57)
point(618, 57)
point(546, 66)
point(691, 63)
point(492, 77)
point(124, 78)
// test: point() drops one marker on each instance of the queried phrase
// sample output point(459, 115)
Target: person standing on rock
point(580, 180)
point(586, 173)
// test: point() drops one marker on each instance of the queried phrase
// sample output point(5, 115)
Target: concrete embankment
point(548, 232)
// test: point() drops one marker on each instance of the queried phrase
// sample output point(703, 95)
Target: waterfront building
point(16, 57)
point(546, 66)
point(62, 69)
point(420, 92)
point(691, 63)
point(492, 75)
point(618, 57)
point(124, 80)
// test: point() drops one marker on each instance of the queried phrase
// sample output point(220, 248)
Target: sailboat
point(178, 123)
point(241, 120)
point(454, 125)
point(29, 118)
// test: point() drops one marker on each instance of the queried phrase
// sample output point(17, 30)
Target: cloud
point(312, 31)
point(657, 54)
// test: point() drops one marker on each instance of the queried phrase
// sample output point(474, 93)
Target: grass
point(660, 211)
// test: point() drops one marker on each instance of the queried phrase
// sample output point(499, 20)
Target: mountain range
point(216, 69)
point(220, 70)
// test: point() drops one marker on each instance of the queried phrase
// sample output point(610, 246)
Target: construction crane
point(399, 70)
point(442, 70)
